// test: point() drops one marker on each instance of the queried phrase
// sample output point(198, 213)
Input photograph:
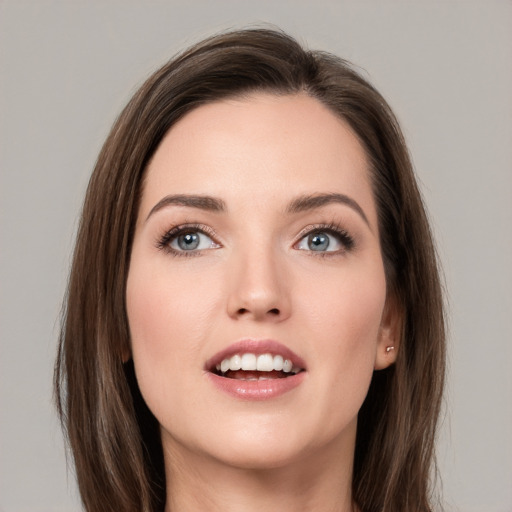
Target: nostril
point(273, 312)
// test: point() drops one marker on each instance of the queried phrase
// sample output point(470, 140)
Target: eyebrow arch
point(208, 203)
point(313, 201)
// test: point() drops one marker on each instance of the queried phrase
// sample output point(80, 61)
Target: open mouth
point(256, 369)
point(252, 367)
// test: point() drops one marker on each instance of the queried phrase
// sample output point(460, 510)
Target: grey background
point(68, 67)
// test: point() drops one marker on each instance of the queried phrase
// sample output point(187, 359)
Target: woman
point(254, 317)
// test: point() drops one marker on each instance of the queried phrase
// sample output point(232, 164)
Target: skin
point(257, 277)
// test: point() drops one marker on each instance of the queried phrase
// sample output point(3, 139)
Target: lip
point(260, 389)
point(257, 389)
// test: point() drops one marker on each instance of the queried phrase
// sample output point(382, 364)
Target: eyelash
point(332, 228)
point(163, 242)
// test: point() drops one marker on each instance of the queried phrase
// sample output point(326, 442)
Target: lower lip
point(256, 389)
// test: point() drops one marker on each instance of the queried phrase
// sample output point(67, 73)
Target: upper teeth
point(261, 363)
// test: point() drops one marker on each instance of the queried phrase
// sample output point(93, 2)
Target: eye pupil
point(188, 241)
point(318, 241)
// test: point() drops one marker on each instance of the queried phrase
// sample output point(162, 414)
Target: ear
point(126, 352)
point(389, 334)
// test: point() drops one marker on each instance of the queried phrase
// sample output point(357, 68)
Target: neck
point(318, 481)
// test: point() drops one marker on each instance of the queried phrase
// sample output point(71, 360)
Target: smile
point(256, 370)
point(250, 366)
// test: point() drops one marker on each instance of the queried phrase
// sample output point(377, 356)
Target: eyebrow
point(300, 204)
point(207, 203)
point(314, 201)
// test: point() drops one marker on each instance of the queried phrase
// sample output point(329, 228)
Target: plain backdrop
point(68, 67)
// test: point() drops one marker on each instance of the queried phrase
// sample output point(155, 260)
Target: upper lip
point(257, 347)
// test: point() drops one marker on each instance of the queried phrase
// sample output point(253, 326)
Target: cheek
point(340, 324)
point(153, 309)
point(149, 333)
point(157, 326)
point(170, 314)
point(349, 305)
point(345, 315)
point(147, 318)
point(164, 307)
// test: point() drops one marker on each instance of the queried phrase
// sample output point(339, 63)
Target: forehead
point(263, 145)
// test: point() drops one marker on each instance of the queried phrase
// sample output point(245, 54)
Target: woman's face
point(256, 292)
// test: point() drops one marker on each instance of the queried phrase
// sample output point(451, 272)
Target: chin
point(258, 460)
point(254, 446)
point(255, 456)
point(263, 446)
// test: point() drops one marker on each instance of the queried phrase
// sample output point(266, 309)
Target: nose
point(259, 288)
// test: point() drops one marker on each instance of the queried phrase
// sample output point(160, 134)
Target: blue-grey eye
point(192, 241)
point(320, 241)
point(188, 241)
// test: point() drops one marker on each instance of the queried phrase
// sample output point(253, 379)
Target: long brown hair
point(113, 437)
